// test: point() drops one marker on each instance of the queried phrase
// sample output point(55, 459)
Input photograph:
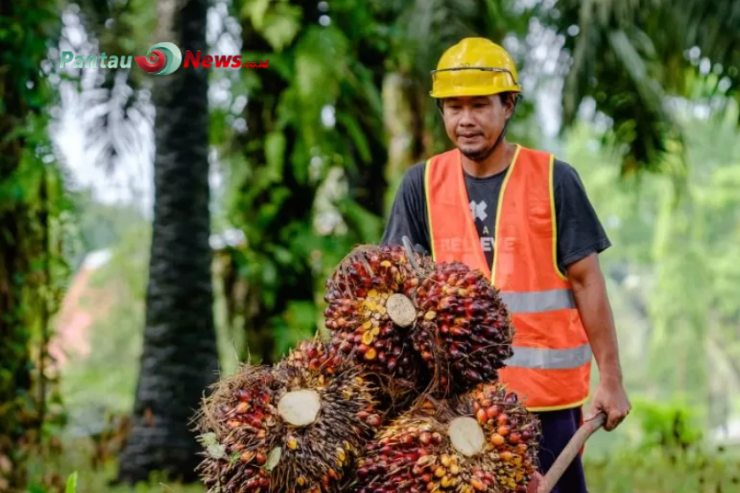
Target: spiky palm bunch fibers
point(481, 441)
point(294, 427)
point(408, 317)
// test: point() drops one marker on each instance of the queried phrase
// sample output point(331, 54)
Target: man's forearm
point(591, 298)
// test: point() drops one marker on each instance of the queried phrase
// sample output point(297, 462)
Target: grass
point(662, 449)
point(95, 466)
point(656, 471)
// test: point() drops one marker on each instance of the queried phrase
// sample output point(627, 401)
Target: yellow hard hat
point(474, 67)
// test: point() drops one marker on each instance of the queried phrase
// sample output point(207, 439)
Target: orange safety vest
point(551, 365)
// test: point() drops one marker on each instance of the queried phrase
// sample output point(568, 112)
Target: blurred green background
point(155, 228)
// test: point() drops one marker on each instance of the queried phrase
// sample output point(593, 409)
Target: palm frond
point(112, 110)
point(632, 56)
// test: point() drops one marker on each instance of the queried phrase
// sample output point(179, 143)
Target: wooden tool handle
point(569, 452)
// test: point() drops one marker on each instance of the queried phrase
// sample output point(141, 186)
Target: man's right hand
point(534, 483)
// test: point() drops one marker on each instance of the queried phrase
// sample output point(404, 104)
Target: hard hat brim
point(472, 81)
point(472, 91)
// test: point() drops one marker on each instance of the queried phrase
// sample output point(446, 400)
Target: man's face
point(474, 123)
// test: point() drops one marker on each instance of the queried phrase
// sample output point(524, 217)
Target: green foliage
point(672, 270)
point(93, 225)
point(114, 299)
point(653, 471)
point(670, 455)
point(71, 486)
point(78, 469)
point(289, 155)
point(278, 21)
point(121, 29)
point(630, 57)
point(297, 323)
point(32, 202)
point(668, 425)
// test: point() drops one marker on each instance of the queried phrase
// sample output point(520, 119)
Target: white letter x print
point(478, 210)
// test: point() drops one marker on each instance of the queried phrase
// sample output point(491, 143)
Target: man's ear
point(508, 102)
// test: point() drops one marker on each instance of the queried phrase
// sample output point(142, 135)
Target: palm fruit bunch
point(481, 441)
point(368, 283)
point(296, 426)
point(463, 332)
point(400, 314)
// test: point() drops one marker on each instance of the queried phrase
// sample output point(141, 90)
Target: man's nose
point(466, 116)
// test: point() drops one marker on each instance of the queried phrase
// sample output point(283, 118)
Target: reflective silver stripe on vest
point(550, 359)
point(539, 301)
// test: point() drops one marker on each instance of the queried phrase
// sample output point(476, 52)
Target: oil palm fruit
point(407, 317)
point(481, 441)
point(293, 427)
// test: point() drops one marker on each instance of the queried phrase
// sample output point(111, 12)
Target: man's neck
point(494, 164)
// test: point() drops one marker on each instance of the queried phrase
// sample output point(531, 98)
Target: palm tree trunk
point(180, 357)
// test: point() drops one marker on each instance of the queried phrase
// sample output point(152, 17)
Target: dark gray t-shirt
point(580, 232)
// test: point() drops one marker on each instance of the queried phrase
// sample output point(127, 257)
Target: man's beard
point(478, 154)
point(481, 153)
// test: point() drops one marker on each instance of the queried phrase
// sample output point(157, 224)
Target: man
point(533, 231)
